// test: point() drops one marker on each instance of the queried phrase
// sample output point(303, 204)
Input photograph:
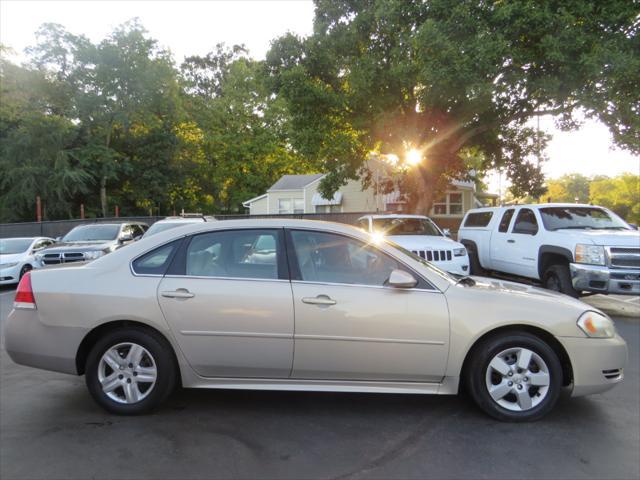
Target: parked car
point(570, 248)
point(423, 237)
point(196, 306)
point(177, 221)
point(17, 256)
point(88, 242)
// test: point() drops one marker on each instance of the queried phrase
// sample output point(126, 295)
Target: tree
point(445, 78)
point(243, 137)
point(621, 194)
point(570, 188)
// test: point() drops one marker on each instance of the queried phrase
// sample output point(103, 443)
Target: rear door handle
point(511, 240)
point(180, 293)
point(319, 300)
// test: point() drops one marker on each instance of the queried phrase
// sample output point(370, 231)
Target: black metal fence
point(58, 228)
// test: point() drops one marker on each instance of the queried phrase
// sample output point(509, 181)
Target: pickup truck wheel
point(474, 263)
point(514, 377)
point(130, 371)
point(558, 278)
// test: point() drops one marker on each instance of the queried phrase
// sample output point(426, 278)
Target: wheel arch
point(550, 255)
point(545, 336)
point(97, 332)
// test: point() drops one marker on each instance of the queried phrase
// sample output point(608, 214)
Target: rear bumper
point(600, 279)
point(30, 342)
point(598, 363)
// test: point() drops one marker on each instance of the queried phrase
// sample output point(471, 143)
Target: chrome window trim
point(379, 287)
point(245, 279)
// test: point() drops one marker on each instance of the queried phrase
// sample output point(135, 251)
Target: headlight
point(596, 325)
point(592, 254)
point(93, 255)
point(8, 265)
point(459, 252)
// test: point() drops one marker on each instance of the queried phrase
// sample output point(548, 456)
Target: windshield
point(14, 245)
point(417, 258)
point(406, 226)
point(580, 218)
point(161, 227)
point(89, 233)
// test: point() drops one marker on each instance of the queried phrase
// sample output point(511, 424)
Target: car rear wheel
point(130, 371)
point(558, 279)
point(514, 377)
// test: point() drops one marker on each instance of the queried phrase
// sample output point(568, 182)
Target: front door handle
point(319, 300)
point(511, 240)
point(180, 293)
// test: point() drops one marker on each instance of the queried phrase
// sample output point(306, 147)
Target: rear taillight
point(24, 293)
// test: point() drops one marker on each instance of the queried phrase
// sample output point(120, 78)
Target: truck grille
point(624, 257)
point(67, 257)
point(434, 255)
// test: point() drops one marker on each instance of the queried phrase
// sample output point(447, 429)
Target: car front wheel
point(130, 371)
point(514, 377)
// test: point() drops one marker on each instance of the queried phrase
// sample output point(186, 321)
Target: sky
point(195, 27)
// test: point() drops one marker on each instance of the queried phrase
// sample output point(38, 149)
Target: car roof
point(534, 205)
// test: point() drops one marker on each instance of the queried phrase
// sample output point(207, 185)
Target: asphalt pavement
point(50, 428)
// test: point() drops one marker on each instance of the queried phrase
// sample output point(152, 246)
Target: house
point(298, 194)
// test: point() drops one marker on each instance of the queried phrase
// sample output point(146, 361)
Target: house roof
point(294, 182)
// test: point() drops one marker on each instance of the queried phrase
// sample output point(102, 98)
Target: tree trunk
point(103, 195)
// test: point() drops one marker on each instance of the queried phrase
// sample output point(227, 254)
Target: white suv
point(177, 221)
point(422, 236)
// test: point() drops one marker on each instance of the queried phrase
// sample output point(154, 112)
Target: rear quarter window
point(156, 261)
point(478, 219)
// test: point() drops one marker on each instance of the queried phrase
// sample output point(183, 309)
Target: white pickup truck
point(570, 248)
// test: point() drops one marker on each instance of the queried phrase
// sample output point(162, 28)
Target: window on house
point(284, 205)
point(450, 204)
point(290, 205)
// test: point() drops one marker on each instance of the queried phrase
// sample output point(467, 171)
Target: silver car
point(303, 305)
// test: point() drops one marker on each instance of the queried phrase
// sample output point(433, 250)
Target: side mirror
point(634, 226)
point(401, 279)
point(127, 237)
point(447, 232)
point(57, 239)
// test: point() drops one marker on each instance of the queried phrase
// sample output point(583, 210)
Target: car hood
point(78, 246)
point(417, 242)
point(13, 257)
point(528, 291)
point(618, 238)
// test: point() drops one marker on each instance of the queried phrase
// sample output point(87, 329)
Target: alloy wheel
point(517, 379)
point(127, 373)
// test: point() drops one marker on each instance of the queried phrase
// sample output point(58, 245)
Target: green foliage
point(443, 77)
point(116, 123)
point(621, 194)
point(570, 188)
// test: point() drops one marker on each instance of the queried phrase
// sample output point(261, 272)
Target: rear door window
point(505, 220)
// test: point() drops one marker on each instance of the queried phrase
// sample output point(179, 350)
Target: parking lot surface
point(50, 428)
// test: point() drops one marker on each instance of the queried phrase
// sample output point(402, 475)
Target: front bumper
point(597, 363)
point(10, 275)
point(600, 279)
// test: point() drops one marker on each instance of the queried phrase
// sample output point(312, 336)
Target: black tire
point(476, 372)
point(474, 263)
point(558, 279)
point(161, 354)
point(25, 268)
